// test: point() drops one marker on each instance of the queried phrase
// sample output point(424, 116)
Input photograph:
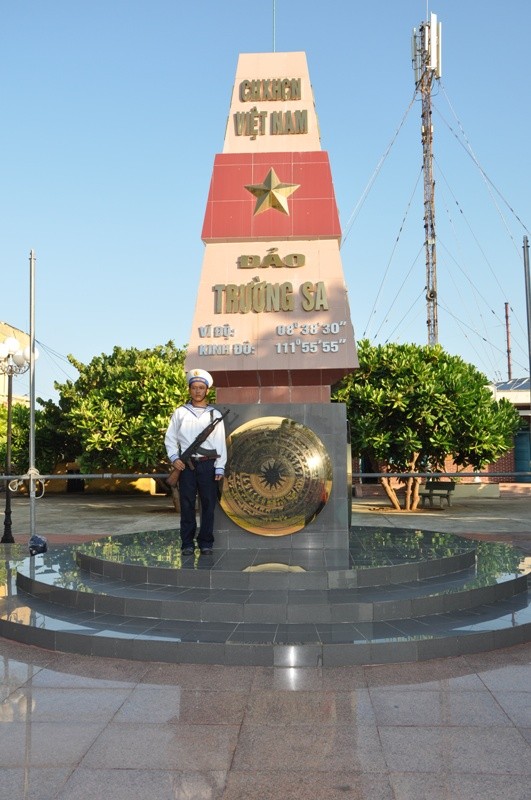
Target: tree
point(54, 439)
point(410, 407)
point(113, 417)
point(119, 407)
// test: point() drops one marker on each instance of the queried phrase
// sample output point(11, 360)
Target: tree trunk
point(411, 487)
point(416, 495)
point(407, 500)
point(391, 494)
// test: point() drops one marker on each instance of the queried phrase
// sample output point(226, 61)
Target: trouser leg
point(187, 495)
point(206, 486)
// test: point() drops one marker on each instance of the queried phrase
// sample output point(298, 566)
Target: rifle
point(173, 478)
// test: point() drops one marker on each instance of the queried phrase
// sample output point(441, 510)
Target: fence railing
point(454, 475)
point(88, 476)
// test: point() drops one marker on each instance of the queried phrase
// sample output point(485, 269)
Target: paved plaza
point(449, 729)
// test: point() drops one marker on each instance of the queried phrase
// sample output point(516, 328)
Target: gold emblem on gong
point(279, 476)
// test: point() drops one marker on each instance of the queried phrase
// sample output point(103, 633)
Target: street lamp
point(14, 360)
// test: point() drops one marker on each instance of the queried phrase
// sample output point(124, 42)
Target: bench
point(441, 489)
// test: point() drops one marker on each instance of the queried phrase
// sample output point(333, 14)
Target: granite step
point(362, 607)
point(388, 557)
point(487, 627)
point(43, 578)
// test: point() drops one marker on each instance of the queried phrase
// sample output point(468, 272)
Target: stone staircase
point(400, 595)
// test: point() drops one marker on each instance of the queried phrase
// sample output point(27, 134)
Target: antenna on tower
point(508, 339)
point(426, 58)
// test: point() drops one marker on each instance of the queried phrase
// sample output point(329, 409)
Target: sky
point(113, 111)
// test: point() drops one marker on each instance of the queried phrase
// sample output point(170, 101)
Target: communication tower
point(426, 57)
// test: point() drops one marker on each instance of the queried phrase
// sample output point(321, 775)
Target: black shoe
point(206, 551)
point(187, 551)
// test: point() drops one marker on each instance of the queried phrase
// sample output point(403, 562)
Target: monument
point(272, 321)
point(289, 584)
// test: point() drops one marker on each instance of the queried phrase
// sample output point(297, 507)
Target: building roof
point(514, 385)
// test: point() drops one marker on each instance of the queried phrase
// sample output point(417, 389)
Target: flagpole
point(528, 306)
point(31, 469)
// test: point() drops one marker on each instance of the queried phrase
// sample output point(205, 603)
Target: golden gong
point(279, 476)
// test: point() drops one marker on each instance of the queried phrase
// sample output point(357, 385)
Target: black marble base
point(403, 596)
point(330, 529)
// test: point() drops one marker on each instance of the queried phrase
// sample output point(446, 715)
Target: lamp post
point(14, 360)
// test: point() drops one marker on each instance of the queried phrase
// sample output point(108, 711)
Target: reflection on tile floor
point(73, 727)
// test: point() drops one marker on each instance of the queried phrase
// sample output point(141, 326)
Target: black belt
point(204, 458)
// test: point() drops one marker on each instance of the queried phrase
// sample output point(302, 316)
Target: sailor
point(198, 476)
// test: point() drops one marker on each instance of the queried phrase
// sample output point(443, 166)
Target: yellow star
point(272, 193)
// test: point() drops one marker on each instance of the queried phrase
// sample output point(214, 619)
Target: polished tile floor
point(77, 728)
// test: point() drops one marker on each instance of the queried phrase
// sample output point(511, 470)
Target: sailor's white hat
point(200, 375)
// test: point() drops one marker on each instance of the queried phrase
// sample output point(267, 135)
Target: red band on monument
point(231, 207)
